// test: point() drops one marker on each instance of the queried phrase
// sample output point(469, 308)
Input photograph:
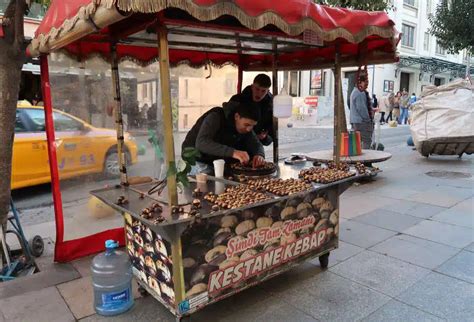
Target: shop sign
point(233, 275)
point(311, 101)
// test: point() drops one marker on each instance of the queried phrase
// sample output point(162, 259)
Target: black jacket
point(266, 111)
point(215, 136)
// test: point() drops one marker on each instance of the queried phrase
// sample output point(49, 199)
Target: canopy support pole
point(118, 116)
point(337, 101)
point(53, 161)
point(176, 245)
point(275, 92)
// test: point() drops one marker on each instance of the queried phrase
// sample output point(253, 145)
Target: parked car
point(81, 148)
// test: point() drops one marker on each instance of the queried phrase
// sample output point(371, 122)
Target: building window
point(428, 7)
point(426, 42)
point(410, 2)
point(294, 82)
point(408, 36)
point(439, 49)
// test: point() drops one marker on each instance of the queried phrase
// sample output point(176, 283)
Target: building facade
point(422, 62)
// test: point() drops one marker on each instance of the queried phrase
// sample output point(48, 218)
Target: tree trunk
point(11, 61)
point(10, 76)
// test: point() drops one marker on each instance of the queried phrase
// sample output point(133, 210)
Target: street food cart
point(219, 236)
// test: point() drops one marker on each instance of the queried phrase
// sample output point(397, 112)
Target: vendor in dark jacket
point(259, 94)
point(219, 135)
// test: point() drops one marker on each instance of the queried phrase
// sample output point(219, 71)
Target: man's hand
point(262, 135)
point(242, 156)
point(258, 161)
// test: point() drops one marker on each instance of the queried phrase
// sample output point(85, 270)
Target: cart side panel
point(151, 260)
point(225, 254)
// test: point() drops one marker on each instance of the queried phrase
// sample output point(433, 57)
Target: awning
point(239, 32)
point(433, 66)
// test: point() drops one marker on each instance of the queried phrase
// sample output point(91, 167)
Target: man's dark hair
point(362, 78)
point(248, 110)
point(262, 80)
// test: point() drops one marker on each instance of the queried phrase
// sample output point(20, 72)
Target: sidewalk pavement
point(406, 253)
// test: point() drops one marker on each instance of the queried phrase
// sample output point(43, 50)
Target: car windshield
point(61, 122)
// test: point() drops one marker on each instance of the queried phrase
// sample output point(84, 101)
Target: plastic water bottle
point(112, 281)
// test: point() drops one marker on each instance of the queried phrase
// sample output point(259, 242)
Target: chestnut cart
point(228, 250)
point(188, 261)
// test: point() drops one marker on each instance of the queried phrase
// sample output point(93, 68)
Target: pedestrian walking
point(404, 99)
point(390, 101)
point(396, 106)
point(360, 113)
point(383, 108)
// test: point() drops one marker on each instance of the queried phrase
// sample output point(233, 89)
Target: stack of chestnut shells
point(321, 175)
point(236, 197)
point(279, 187)
point(205, 243)
point(243, 167)
point(339, 166)
point(361, 168)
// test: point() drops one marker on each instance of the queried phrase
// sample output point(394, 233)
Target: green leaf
point(181, 166)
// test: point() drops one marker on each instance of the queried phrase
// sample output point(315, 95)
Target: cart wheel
point(143, 292)
point(36, 246)
point(324, 261)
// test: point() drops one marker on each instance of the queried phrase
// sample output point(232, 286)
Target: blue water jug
point(112, 281)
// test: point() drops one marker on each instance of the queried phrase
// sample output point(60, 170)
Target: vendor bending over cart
point(230, 136)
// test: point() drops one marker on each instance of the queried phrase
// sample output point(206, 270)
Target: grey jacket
point(359, 112)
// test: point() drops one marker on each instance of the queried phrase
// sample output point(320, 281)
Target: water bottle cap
point(111, 244)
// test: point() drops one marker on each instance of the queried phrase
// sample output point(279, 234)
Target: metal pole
point(167, 113)
point(118, 116)
point(53, 161)
point(337, 94)
point(275, 92)
point(468, 66)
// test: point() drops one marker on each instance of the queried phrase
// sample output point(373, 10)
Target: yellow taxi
point(81, 148)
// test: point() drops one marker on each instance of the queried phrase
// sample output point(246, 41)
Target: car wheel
point(111, 164)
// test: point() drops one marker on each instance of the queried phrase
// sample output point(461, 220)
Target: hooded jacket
point(214, 135)
point(266, 111)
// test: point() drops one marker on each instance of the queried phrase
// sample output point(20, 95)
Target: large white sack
point(443, 112)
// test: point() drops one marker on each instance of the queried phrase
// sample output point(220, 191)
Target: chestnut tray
point(251, 172)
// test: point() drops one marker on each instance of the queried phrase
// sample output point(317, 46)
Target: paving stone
point(442, 296)
point(442, 196)
point(329, 297)
point(388, 219)
point(42, 305)
point(416, 251)
point(83, 265)
point(363, 235)
point(470, 248)
point(401, 207)
point(269, 309)
point(447, 234)
point(54, 275)
point(456, 216)
point(382, 273)
point(460, 266)
point(145, 309)
point(358, 205)
point(395, 191)
point(342, 253)
point(423, 210)
point(397, 311)
point(79, 296)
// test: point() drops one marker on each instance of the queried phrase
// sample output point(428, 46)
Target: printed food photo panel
point(226, 253)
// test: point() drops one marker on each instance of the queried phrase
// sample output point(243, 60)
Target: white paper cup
point(219, 168)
